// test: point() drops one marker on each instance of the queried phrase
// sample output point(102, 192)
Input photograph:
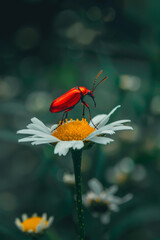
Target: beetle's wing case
point(66, 101)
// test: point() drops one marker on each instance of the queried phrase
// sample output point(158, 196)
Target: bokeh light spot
point(129, 82)
point(80, 34)
point(38, 101)
point(9, 87)
point(155, 105)
point(8, 201)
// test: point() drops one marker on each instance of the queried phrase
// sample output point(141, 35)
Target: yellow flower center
point(121, 177)
point(97, 200)
point(32, 223)
point(73, 130)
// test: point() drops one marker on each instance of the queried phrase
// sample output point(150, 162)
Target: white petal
point(24, 216)
point(39, 128)
point(27, 139)
point(37, 140)
point(103, 130)
point(44, 216)
point(127, 198)
point(91, 195)
point(32, 139)
point(40, 226)
point(113, 207)
point(112, 125)
point(115, 200)
point(34, 215)
point(43, 141)
point(101, 140)
point(93, 134)
point(53, 127)
point(95, 186)
point(36, 132)
point(122, 128)
point(97, 120)
point(77, 144)
point(39, 134)
point(97, 132)
point(50, 221)
point(37, 122)
point(30, 231)
point(105, 118)
point(108, 132)
point(110, 191)
point(62, 148)
point(19, 224)
point(28, 131)
point(54, 139)
point(108, 129)
point(105, 218)
point(114, 109)
point(119, 122)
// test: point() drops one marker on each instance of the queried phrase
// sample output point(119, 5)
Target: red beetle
point(68, 100)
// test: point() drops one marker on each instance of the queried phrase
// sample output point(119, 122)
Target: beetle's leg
point(66, 112)
point(66, 115)
point(61, 122)
point(62, 119)
point(85, 104)
point(90, 118)
point(83, 113)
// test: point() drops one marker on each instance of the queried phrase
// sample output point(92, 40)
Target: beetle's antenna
point(99, 83)
point(93, 88)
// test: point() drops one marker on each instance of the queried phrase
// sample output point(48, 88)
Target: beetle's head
point(90, 93)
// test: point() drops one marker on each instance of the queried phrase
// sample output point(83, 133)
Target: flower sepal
point(88, 145)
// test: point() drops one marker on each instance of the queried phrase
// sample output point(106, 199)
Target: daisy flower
point(35, 224)
point(69, 179)
point(103, 201)
point(73, 134)
point(125, 170)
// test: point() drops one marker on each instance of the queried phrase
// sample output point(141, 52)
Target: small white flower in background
point(125, 170)
point(103, 201)
point(34, 224)
point(69, 179)
point(73, 134)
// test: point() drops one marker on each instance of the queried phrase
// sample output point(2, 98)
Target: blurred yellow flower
point(34, 224)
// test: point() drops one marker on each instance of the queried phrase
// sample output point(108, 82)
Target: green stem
point(77, 157)
point(34, 238)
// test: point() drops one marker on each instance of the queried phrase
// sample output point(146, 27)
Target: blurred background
point(48, 47)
